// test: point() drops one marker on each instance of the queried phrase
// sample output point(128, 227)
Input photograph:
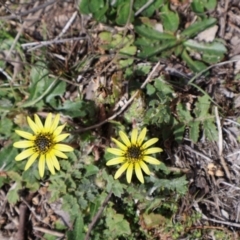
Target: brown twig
point(97, 216)
point(33, 212)
point(220, 145)
point(22, 221)
point(48, 231)
point(16, 15)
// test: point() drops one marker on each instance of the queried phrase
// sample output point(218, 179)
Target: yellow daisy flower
point(133, 154)
point(43, 143)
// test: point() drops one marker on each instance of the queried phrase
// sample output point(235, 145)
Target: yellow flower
point(43, 143)
point(133, 154)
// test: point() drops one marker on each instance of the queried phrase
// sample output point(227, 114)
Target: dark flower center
point(43, 143)
point(134, 153)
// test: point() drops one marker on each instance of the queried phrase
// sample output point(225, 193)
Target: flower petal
point(116, 151)
point(151, 160)
point(144, 167)
point(23, 144)
point(119, 144)
point(24, 134)
point(138, 172)
point(129, 172)
point(121, 170)
point(50, 163)
point(63, 147)
point(59, 153)
point(115, 161)
point(55, 122)
point(48, 123)
point(152, 150)
point(141, 136)
point(55, 162)
point(58, 130)
point(41, 165)
point(31, 161)
point(38, 122)
point(33, 125)
point(134, 136)
point(125, 138)
point(61, 137)
point(149, 143)
point(24, 154)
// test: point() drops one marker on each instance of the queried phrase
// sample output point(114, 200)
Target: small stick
point(220, 144)
point(48, 231)
point(97, 216)
point(68, 24)
point(22, 221)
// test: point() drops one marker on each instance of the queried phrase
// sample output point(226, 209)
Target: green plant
point(169, 112)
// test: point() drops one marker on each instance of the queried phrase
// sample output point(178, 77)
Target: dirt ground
point(212, 168)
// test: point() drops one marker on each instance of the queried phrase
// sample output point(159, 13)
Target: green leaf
point(116, 224)
point(128, 50)
point(198, 27)
point(211, 59)
point(40, 85)
point(196, 66)
point(213, 48)
point(95, 6)
point(95, 205)
point(150, 89)
point(142, 69)
point(202, 106)
point(73, 109)
point(210, 129)
point(123, 12)
point(57, 90)
point(163, 87)
point(77, 232)
point(199, 6)
point(48, 236)
point(30, 177)
point(6, 126)
point(7, 158)
point(178, 50)
point(146, 42)
point(183, 113)
point(5, 104)
point(100, 15)
point(3, 180)
point(150, 9)
point(57, 188)
point(211, 4)
point(151, 51)
point(177, 184)
point(14, 176)
point(39, 80)
point(91, 170)
point(153, 221)
point(151, 33)
point(112, 184)
point(84, 7)
point(169, 19)
point(194, 130)
point(12, 195)
point(71, 206)
point(178, 132)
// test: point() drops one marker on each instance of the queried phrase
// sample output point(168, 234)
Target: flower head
point(43, 143)
point(133, 154)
